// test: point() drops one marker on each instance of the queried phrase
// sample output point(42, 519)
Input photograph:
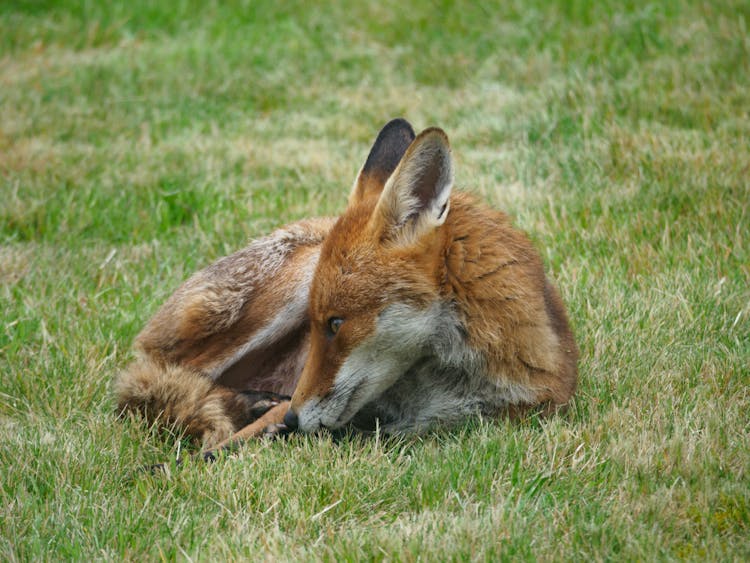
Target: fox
point(418, 306)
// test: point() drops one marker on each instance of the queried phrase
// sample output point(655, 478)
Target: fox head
point(374, 293)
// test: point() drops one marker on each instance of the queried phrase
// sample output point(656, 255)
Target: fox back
point(427, 306)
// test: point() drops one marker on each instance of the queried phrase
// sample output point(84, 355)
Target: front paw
point(160, 468)
point(259, 408)
point(274, 431)
point(261, 402)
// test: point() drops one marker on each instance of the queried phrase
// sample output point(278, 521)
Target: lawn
point(140, 141)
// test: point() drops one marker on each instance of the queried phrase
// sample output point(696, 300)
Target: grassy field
point(140, 141)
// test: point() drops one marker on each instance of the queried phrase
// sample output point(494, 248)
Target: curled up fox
point(417, 306)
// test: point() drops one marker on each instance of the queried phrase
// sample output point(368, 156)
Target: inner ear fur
point(416, 197)
point(389, 147)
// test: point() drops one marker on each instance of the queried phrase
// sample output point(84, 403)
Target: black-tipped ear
point(388, 149)
point(385, 154)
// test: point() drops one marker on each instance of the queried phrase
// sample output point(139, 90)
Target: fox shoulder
point(512, 313)
point(481, 243)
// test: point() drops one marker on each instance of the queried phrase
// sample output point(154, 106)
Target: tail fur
point(178, 396)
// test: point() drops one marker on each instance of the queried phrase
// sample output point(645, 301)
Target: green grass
point(140, 141)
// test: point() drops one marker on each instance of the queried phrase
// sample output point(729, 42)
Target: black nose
point(290, 419)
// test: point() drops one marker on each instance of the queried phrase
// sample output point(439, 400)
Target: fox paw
point(262, 407)
point(273, 431)
point(261, 402)
point(160, 468)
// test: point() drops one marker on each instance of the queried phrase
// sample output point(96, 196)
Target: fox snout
point(291, 420)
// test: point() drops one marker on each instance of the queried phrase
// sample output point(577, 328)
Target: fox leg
point(273, 418)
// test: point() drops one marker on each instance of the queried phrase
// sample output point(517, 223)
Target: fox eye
point(333, 326)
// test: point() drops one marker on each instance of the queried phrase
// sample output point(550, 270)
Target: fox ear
point(416, 197)
point(385, 154)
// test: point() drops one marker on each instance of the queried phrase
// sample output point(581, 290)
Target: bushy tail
point(178, 396)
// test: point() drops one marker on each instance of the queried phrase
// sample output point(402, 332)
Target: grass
point(139, 141)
